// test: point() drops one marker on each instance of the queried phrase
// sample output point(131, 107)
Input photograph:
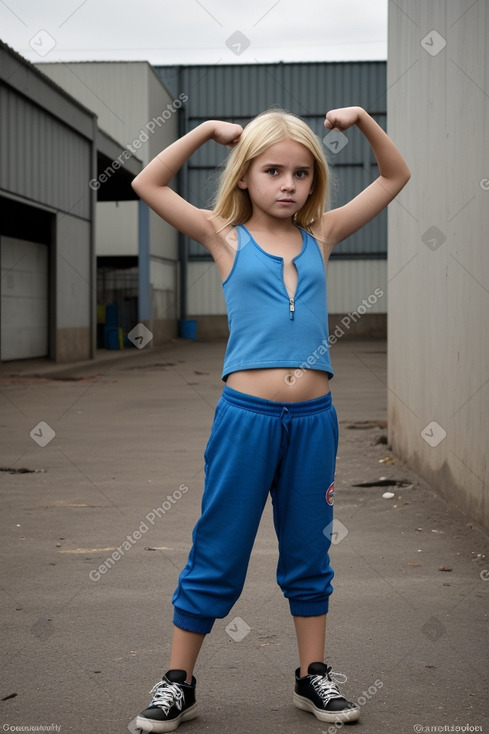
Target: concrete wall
point(438, 266)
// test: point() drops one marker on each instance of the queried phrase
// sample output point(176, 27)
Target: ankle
point(304, 669)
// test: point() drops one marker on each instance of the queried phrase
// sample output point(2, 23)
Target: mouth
point(286, 201)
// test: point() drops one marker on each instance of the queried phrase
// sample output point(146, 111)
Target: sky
point(195, 31)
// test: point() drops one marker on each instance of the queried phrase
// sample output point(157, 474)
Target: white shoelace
point(325, 685)
point(166, 695)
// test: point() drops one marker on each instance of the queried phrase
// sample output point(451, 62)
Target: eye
point(272, 171)
point(301, 174)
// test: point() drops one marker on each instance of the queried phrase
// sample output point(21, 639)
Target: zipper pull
point(291, 309)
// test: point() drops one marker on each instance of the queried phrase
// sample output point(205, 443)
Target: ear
point(242, 183)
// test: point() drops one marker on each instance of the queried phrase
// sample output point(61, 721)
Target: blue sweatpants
point(258, 447)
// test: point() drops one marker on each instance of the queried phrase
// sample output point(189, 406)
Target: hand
point(342, 118)
point(227, 133)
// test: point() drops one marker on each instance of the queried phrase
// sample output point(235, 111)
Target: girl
point(272, 432)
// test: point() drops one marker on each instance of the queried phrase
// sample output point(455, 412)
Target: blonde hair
point(233, 203)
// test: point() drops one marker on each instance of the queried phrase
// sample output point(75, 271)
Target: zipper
point(291, 308)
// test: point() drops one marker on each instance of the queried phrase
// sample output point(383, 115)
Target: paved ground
point(85, 640)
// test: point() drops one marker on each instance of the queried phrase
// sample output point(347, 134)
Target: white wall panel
point(24, 299)
point(163, 277)
point(116, 227)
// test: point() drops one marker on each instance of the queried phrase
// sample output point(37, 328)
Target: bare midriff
point(281, 384)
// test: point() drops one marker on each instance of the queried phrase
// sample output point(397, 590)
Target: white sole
point(332, 717)
point(161, 727)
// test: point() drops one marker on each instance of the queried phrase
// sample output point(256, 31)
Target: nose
point(288, 183)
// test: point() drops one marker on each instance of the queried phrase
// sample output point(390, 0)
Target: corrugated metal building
point(438, 376)
point(238, 93)
point(50, 148)
point(137, 252)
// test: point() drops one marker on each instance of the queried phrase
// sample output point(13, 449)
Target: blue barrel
point(188, 328)
point(112, 339)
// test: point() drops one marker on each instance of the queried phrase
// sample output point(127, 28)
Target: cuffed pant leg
point(239, 470)
point(303, 512)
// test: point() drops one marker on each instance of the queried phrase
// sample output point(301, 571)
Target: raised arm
point(152, 184)
point(393, 176)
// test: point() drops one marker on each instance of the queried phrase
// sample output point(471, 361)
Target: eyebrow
point(282, 165)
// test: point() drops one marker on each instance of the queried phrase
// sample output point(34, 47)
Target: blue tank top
point(267, 328)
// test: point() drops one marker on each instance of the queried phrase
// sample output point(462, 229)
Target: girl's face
point(279, 181)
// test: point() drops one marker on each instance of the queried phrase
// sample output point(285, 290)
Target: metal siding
point(205, 294)
point(201, 191)
point(352, 281)
point(42, 159)
point(245, 90)
point(349, 283)
point(240, 92)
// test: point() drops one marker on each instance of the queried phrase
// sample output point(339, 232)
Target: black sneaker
point(173, 702)
point(318, 693)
